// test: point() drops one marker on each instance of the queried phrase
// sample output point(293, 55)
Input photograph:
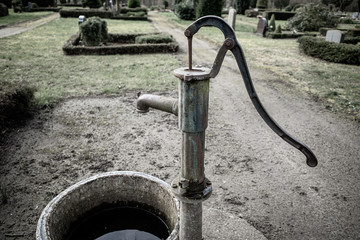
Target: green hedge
point(351, 40)
point(139, 9)
point(133, 3)
point(329, 51)
point(279, 15)
point(154, 38)
point(75, 13)
point(275, 35)
point(351, 32)
point(185, 10)
point(43, 9)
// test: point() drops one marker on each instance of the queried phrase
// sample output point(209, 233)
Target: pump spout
point(165, 104)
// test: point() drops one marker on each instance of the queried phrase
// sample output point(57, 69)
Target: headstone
point(30, 5)
point(232, 17)
point(334, 36)
point(355, 15)
point(82, 19)
point(262, 26)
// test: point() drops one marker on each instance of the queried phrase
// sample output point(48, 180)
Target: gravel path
point(14, 29)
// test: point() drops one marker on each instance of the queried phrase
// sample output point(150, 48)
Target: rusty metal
point(190, 222)
point(190, 52)
point(233, 45)
point(144, 102)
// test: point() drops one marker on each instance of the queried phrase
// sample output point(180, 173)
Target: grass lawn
point(36, 57)
point(338, 85)
point(21, 17)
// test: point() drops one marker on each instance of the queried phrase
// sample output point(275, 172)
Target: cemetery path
point(262, 188)
point(14, 29)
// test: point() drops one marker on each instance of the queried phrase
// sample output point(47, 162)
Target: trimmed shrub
point(93, 31)
point(323, 31)
point(75, 13)
point(42, 3)
point(288, 8)
point(297, 7)
point(133, 3)
point(347, 21)
point(166, 4)
point(261, 3)
point(209, 7)
point(279, 15)
point(136, 14)
point(278, 29)
point(242, 6)
point(312, 17)
point(272, 24)
point(281, 3)
point(139, 9)
point(4, 11)
point(351, 40)
point(339, 4)
point(154, 38)
point(16, 101)
point(17, 5)
point(185, 10)
point(329, 51)
point(352, 32)
point(6, 2)
point(283, 35)
point(91, 3)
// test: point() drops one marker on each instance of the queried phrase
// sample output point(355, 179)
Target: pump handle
point(233, 45)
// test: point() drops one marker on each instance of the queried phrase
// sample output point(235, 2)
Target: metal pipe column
point(191, 187)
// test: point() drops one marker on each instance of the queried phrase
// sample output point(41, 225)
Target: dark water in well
point(120, 223)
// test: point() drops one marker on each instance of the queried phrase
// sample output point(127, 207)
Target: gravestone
point(262, 26)
point(334, 36)
point(232, 17)
point(355, 15)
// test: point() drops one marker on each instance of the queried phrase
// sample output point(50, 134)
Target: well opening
point(111, 190)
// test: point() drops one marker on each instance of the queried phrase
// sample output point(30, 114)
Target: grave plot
point(123, 44)
point(93, 39)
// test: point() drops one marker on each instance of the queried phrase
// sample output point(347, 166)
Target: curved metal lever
point(233, 45)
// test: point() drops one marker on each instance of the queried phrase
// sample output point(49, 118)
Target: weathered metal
point(190, 221)
point(144, 102)
point(191, 186)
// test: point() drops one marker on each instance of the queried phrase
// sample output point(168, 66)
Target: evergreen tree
point(261, 4)
point(242, 5)
point(209, 7)
point(272, 25)
point(281, 3)
point(338, 3)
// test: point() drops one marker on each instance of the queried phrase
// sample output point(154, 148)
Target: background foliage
point(312, 17)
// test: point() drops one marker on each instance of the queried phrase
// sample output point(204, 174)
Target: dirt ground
point(259, 181)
